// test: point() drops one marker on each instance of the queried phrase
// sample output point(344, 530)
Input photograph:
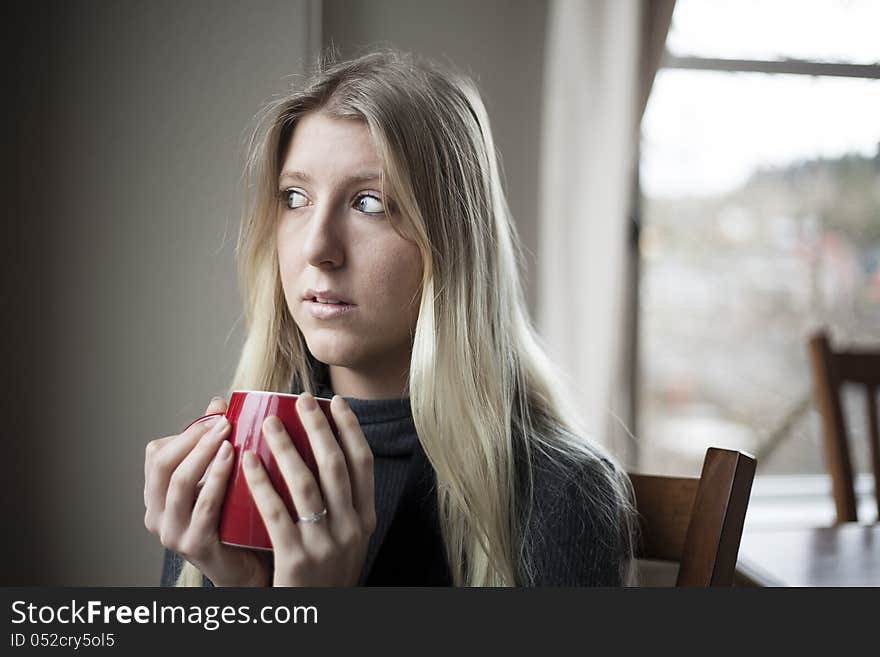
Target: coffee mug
point(240, 522)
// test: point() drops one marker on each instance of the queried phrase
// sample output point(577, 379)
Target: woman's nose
point(324, 245)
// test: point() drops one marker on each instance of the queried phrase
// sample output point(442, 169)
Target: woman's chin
point(339, 355)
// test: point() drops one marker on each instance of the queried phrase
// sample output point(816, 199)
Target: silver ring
point(314, 517)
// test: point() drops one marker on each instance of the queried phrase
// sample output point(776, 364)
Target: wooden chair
point(831, 369)
point(697, 522)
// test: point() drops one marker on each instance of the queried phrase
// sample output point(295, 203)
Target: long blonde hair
point(485, 398)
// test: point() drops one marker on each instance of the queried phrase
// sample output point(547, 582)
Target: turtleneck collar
point(380, 411)
point(387, 424)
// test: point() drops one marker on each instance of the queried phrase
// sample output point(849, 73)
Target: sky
point(705, 132)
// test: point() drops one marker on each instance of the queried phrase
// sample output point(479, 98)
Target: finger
point(192, 433)
point(217, 405)
point(206, 512)
point(153, 448)
point(282, 531)
point(303, 487)
point(182, 485)
point(211, 436)
point(162, 462)
point(332, 469)
point(359, 457)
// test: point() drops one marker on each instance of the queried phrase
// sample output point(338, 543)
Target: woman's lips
point(320, 310)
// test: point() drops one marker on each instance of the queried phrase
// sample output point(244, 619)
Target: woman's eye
point(294, 199)
point(369, 204)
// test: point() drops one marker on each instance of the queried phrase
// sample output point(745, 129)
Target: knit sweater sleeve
point(575, 530)
point(171, 566)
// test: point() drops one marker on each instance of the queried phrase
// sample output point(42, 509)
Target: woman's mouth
point(327, 309)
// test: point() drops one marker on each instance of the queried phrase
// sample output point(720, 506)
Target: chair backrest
point(697, 522)
point(831, 369)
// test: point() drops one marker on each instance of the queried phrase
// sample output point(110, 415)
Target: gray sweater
point(570, 544)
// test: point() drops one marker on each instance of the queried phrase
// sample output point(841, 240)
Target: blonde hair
point(484, 396)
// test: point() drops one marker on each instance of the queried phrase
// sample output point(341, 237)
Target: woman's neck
point(381, 383)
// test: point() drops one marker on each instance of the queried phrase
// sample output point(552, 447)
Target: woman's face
point(335, 241)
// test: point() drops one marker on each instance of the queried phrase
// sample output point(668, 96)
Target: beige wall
point(127, 152)
point(500, 43)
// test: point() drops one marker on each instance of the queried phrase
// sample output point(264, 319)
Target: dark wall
point(121, 308)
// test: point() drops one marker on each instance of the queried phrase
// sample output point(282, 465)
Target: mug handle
point(202, 419)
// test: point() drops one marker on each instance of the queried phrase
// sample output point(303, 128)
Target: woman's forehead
point(322, 144)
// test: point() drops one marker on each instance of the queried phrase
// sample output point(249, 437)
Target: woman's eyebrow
point(365, 176)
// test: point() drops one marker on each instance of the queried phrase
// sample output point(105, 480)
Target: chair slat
point(665, 505)
point(826, 385)
point(874, 439)
point(697, 522)
point(858, 366)
point(716, 526)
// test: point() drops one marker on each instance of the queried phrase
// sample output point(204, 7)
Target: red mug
point(240, 522)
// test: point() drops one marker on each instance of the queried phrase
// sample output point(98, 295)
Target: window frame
point(802, 489)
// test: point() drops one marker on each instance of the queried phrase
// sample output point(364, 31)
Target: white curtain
point(600, 60)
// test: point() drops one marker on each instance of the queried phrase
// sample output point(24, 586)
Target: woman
point(379, 265)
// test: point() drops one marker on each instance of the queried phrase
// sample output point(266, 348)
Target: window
point(760, 183)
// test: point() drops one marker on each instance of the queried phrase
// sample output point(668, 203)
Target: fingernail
point(225, 449)
point(308, 402)
point(250, 459)
point(221, 425)
point(217, 398)
point(273, 424)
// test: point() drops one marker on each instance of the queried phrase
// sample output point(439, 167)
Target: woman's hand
point(329, 551)
point(184, 514)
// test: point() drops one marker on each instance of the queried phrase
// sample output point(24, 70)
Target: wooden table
point(844, 555)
